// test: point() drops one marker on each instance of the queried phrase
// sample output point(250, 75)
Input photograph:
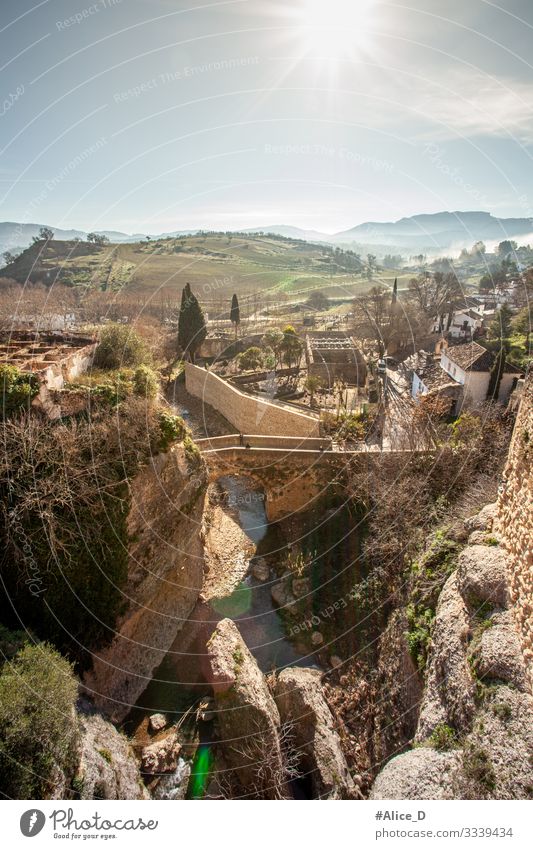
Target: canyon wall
point(515, 523)
point(247, 413)
point(165, 575)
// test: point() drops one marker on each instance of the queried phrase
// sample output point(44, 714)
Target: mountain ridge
point(428, 232)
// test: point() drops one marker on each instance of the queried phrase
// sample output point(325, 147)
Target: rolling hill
point(212, 263)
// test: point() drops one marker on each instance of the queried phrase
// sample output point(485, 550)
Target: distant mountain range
point(433, 233)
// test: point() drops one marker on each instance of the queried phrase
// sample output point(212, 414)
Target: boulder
point(157, 723)
point(500, 654)
point(305, 713)
point(162, 755)
point(282, 594)
point(478, 538)
point(107, 767)
point(247, 716)
point(484, 520)
point(419, 774)
point(261, 570)
point(173, 786)
point(482, 575)
point(301, 586)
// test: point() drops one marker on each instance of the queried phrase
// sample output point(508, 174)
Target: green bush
point(250, 360)
point(145, 382)
point(38, 724)
point(172, 430)
point(120, 346)
point(443, 738)
point(17, 389)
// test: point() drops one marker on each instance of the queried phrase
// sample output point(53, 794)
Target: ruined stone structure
point(53, 358)
point(335, 355)
point(247, 413)
point(515, 522)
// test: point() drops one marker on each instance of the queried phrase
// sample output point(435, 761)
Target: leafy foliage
point(38, 724)
point(17, 389)
point(120, 346)
point(145, 382)
point(251, 359)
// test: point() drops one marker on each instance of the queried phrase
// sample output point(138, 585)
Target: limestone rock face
point(247, 716)
point(500, 654)
point(162, 755)
point(515, 523)
point(107, 767)
point(165, 574)
point(449, 692)
point(496, 757)
point(482, 574)
point(304, 710)
point(419, 774)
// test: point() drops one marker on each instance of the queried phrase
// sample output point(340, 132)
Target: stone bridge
point(293, 472)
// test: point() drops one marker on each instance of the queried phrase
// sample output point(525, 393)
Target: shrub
point(443, 738)
point(479, 771)
point(172, 430)
point(250, 360)
point(120, 346)
point(38, 724)
point(17, 389)
point(145, 382)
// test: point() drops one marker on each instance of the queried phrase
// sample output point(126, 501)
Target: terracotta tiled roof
point(470, 357)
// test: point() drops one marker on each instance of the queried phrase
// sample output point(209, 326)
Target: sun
point(334, 28)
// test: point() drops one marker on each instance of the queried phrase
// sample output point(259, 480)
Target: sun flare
point(335, 28)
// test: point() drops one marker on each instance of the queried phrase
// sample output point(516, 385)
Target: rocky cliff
point(514, 523)
point(474, 737)
point(165, 575)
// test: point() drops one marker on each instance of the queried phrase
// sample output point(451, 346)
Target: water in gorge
point(330, 543)
point(182, 677)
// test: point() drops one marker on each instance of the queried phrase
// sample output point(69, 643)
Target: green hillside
point(247, 263)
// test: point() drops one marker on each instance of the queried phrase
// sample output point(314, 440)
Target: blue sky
point(152, 115)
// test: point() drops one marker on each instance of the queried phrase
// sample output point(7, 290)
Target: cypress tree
point(191, 324)
point(235, 313)
point(496, 374)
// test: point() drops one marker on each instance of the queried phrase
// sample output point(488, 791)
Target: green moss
point(427, 576)
point(502, 710)
point(238, 657)
point(106, 754)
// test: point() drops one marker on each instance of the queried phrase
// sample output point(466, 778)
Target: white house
point(462, 373)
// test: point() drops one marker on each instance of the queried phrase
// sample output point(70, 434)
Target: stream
point(182, 677)
point(181, 682)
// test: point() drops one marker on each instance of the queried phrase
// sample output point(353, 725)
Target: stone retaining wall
point(247, 413)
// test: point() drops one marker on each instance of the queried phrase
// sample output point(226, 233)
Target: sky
point(160, 115)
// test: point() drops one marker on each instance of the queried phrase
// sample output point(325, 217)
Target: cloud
point(471, 104)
